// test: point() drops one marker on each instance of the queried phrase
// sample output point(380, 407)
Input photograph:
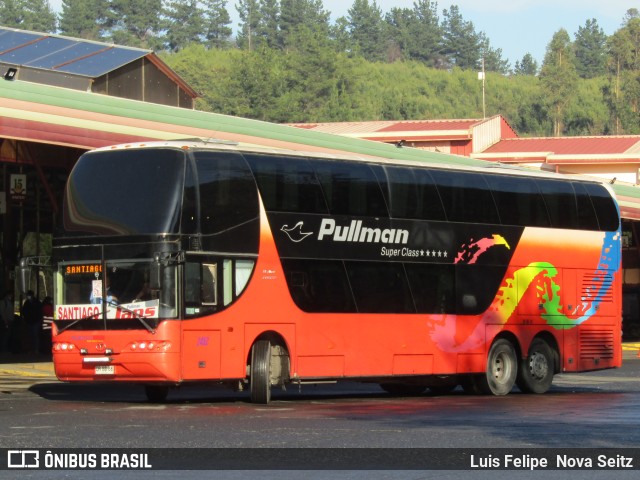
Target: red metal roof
point(429, 125)
point(569, 145)
point(409, 130)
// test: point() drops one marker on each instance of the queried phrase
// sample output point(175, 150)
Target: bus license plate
point(105, 369)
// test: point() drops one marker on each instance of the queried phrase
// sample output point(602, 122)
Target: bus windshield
point(114, 295)
point(134, 192)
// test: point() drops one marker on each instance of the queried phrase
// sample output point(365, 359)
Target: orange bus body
point(377, 345)
point(562, 286)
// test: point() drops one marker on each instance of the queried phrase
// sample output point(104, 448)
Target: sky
point(517, 27)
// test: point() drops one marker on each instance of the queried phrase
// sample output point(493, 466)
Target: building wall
point(142, 80)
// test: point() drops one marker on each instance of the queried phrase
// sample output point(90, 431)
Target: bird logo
point(295, 233)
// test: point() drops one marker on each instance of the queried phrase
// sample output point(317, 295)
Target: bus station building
point(60, 97)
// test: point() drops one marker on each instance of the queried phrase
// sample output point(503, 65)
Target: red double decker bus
point(202, 262)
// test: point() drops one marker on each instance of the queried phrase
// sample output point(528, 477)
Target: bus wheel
point(536, 371)
point(261, 372)
point(502, 368)
point(403, 389)
point(156, 393)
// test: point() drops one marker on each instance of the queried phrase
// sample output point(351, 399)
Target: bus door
point(200, 332)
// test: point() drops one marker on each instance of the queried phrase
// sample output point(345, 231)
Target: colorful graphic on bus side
point(534, 284)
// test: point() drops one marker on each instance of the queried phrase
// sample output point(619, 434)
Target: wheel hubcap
point(538, 366)
point(500, 368)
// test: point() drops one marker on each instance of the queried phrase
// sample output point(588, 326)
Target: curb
point(28, 370)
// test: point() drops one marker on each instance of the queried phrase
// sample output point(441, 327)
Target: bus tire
point(156, 393)
point(261, 372)
point(502, 368)
point(537, 369)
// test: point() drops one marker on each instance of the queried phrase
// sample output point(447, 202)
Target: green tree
point(427, 33)
point(526, 66)
point(269, 24)
point(559, 77)
point(11, 13)
point(86, 19)
point(183, 22)
point(35, 15)
point(339, 34)
point(137, 22)
point(417, 32)
point(39, 16)
point(493, 61)
point(308, 97)
point(367, 29)
point(590, 50)
point(302, 14)
point(256, 84)
point(216, 21)
point(462, 44)
point(622, 93)
point(249, 13)
point(399, 40)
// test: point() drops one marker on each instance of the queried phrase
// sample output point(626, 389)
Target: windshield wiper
point(66, 327)
point(136, 315)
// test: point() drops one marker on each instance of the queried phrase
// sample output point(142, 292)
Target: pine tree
point(39, 16)
point(527, 66)
point(493, 61)
point(249, 13)
point(216, 23)
point(297, 14)
point(86, 19)
point(269, 24)
point(623, 92)
point(462, 44)
point(183, 23)
point(559, 77)
point(417, 32)
point(367, 29)
point(427, 33)
point(12, 13)
point(590, 50)
point(137, 22)
point(35, 15)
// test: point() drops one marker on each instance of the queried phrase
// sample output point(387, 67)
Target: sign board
point(18, 187)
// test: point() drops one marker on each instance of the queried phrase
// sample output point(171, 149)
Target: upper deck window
point(120, 192)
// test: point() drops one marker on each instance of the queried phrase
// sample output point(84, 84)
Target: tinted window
point(413, 194)
point(587, 219)
point(476, 287)
point(380, 287)
point(319, 286)
point(604, 205)
point(287, 184)
point(518, 200)
point(432, 286)
point(120, 192)
point(560, 201)
point(466, 197)
point(350, 188)
point(190, 220)
point(228, 199)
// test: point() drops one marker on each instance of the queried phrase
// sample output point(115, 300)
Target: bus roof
point(480, 167)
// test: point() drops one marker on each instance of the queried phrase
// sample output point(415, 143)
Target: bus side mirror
point(24, 275)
